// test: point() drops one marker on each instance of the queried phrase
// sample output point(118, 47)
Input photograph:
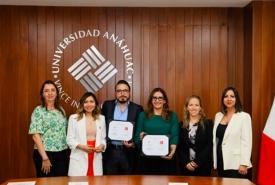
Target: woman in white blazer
point(87, 138)
point(232, 137)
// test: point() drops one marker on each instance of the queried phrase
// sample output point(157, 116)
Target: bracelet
point(45, 159)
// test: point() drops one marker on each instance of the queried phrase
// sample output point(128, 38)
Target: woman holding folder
point(158, 120)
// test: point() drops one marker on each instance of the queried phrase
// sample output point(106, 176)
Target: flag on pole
point(266, 170)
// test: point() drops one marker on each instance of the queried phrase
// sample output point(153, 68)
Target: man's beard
point(123, 100)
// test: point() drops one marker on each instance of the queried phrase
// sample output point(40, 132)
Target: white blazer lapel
point(82, 130)
point(217, 121)
point(99, 130)
point(98, 126)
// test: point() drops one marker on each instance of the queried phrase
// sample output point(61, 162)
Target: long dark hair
point(57, 99)
point(238, 104)
point(186, 117)
point(80, 111)
point(165, 112)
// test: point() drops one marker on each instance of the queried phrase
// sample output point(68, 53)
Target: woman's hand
point(46, 166)
point(191, 166)
point(141, 135)
point(99, 148)
point(169, 156)
point(46, 163)
point(243, 169)
point(171, 153)
point(86, 148)
point(194, 164)
point(129, 144)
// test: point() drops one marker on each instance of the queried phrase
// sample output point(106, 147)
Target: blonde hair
point(186, 114)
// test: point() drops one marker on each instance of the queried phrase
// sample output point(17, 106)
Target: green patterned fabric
point(52, 126)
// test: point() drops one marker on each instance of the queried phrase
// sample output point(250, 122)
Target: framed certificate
point(155, 145)
point(120, 130)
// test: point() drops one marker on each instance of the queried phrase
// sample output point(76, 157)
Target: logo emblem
point(82, 70)
point(91, 69)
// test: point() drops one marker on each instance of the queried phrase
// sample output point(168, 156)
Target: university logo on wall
point(92, 59)
point(92, 69)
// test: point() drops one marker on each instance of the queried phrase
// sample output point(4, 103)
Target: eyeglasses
point(160, 98)
point(122, 91)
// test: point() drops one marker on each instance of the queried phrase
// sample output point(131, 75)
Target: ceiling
point(130, 3)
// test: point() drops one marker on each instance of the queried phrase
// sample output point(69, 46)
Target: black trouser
point(59, 161)
point(228, 173)
point(233, 174)
point(200, 171)
point(156, 166)
point(116, 161)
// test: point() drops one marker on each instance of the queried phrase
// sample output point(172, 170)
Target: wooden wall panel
point(263, 68)
point(180, 65)
point(205, 60)
point(68, 22)
point(111, 24)
point(137, 54)
point(32, 73)
point(4, 44)
point(183, 50)
point(247, 75)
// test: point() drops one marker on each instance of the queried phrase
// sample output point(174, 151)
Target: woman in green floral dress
point(48, 129)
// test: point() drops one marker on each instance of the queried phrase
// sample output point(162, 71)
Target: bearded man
point(120, 156)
